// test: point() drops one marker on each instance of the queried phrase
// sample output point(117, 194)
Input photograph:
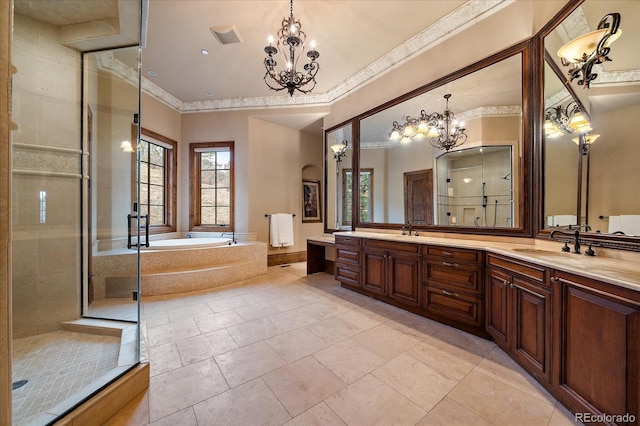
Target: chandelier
point(290, 41)
point(560, 121)
point(442, 130)
point(583, 52)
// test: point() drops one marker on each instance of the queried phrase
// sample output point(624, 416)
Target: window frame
point(345, 190)
point(195, 185)
point(170, 178)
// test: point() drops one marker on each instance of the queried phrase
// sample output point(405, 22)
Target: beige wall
point(46, 157)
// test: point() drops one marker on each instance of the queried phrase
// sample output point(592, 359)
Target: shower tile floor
point(288, 348)
point(57, 365)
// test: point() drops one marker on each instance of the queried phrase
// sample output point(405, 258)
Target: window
point(211, 186)
point(366, 196)
point(157, 181)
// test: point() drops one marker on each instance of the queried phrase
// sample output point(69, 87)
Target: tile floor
point(286, 348)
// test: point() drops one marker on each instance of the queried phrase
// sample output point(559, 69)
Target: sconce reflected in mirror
point(560, 121)
point(583, 52)
point(339, 151)
point(587, 140)
point(126, 146)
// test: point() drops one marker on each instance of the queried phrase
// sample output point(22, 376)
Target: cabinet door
point(596, 349)
point(404, 278)
point(375, 271)
point(498, 306)
point(531, 343)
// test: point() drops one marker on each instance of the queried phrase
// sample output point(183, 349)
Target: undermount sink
point(539, 252)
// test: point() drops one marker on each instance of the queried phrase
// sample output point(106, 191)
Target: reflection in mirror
point(597, 185)
point(404, 185)
point(338, 156)
point(474, 187)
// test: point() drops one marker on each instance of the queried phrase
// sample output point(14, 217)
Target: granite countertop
point(623, 273)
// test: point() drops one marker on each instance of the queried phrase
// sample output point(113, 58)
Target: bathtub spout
point(233, 237)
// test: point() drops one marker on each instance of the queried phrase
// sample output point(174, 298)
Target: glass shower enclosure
point(75, 99)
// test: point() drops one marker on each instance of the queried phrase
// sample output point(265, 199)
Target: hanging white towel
point(281, 229)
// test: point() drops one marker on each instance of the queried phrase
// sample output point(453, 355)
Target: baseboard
point(284, 258)
point(104, 405)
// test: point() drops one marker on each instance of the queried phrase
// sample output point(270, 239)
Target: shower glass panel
point(75, 323)
point(475, 187)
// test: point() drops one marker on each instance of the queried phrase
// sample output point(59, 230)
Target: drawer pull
point(348, 268)
point(451, 265)
point(447, 253)
point(448, 293)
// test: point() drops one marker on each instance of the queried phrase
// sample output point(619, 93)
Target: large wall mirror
point(473, 187)
point(591, 177)
point(338, 145)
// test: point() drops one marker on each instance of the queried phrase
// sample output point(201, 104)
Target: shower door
point(74, 320)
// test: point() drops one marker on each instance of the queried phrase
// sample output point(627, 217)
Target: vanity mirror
point(595, 184)
point(411, 181)
point(338, 167)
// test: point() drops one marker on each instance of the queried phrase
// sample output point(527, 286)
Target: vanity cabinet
point(453, 285)
point(392, 270)
point(596, 346)
point(348, 261)
point(518, 312)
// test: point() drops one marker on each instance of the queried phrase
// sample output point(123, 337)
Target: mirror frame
point(620, 242)
point(525, 49)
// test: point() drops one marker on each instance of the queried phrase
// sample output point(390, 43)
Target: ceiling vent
point(226, 34)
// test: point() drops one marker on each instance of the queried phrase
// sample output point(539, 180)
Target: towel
point(281, 229)
point(630, 224)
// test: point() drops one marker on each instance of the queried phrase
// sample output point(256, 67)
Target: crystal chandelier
point(583, 52)
point(290, 41)
point(442, 130)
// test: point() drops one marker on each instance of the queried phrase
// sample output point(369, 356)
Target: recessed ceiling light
point(205, 52)
point(152, 73)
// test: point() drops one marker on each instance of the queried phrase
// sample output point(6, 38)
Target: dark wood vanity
point(577, 336)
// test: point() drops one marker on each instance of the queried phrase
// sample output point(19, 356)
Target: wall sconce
point(587, 140)
point(560, 121)
point(126, 146)
point(583, 52)
point(339, 150)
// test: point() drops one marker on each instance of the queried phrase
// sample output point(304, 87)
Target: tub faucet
point(233, 236)
point(188, 235)
point(575, 235)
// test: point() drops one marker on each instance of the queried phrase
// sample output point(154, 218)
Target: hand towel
point(285, 229)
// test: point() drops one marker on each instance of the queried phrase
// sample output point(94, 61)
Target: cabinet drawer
point(392, 246)
point(348, 255)
point(348, 274)
point(451, 304)
point(351, 241)
point(460, 276)
point(454, 253)
point(534, 272)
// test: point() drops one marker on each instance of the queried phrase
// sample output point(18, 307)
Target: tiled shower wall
point(46, 177)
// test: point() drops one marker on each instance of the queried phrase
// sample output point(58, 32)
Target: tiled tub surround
point(297, 349)
point(176, 271)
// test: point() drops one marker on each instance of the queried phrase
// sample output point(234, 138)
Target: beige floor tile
point(319, 415)
point(498, 365)
point(369, 402)
point(384, 342)
point(444, 357)
point(334, 329)
point(296, 344)
point(291, 320)
point(217, 321)
point(384, 309)
point(169, 333)
point(258, 297)
point(498, 403)
point(450, 413)
point(191, 311)
point(178, 389)
point(302, 384)
point(255, 311)
point(246, 363)
point(349, 360)
point(154, 319)
point(324, 310)
point(160, 303)
point(203, 346)
point(253, 331)
point(415, 325)
point(184, 417)
point(563, 417)
point(468, 342)
point(164, 358)
point(415, 380)
point(357, 318)
point(221, 305)
point(252, 403)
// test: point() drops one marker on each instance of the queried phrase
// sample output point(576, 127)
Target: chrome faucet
point(576, 241)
